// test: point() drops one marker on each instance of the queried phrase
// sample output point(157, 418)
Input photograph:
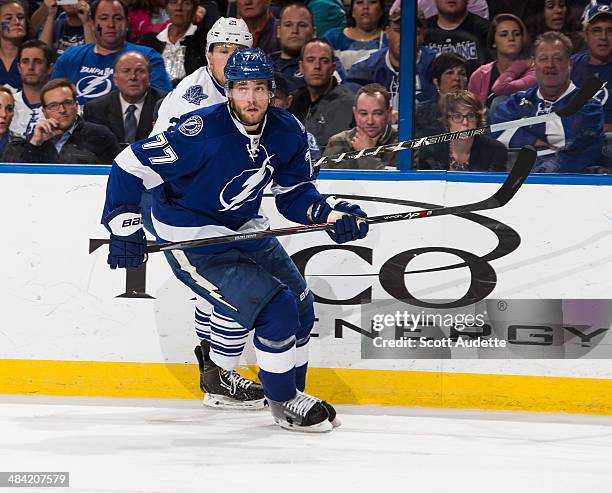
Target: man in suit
point(128, 111)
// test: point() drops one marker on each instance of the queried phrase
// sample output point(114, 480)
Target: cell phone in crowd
point(67, 2)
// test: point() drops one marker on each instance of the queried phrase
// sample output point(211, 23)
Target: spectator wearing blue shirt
point(363, 34)
point(382, 66)
point(12, 35)
point(597, 59)
point(90, 67)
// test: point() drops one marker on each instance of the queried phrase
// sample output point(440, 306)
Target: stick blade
point(520, 171)
point(586, 92)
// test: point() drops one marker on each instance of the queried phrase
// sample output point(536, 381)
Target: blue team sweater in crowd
point(573, 143)
point(583, 70)
point(92, 73)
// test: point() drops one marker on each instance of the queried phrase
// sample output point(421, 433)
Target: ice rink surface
point(128, 445)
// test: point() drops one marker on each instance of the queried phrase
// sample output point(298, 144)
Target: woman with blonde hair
point(460, 111)
point(513, 67)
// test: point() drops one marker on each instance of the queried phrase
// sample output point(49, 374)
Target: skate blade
point(322, 427)
point(223, 402)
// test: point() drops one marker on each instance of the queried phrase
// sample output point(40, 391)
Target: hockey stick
point(515, 179)
point(586, 92)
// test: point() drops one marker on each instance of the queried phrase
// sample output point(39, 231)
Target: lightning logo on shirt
point(93, 86)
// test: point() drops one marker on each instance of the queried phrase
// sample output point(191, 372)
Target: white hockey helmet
point(229, 30)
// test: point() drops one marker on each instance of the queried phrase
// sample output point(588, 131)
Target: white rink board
point(59, 302)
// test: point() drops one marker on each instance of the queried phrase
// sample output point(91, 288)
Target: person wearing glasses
point(597, 58)
point(572, 144)
point(462, 110)
point(63, 137)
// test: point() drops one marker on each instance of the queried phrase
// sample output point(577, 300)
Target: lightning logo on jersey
point(214, 175)
point(246, 186)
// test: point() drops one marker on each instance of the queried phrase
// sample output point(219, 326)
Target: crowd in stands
point(81, 80)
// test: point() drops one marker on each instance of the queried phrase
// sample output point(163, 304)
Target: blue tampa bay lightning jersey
point(92, 73)
point(377, 68)
point(572, 143)
point(207, 176)
point(583, 70)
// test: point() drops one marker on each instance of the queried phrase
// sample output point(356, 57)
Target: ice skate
point(226, 389)
point(333, 418)
point(302, 413)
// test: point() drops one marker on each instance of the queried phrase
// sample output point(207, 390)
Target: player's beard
point(250, 118)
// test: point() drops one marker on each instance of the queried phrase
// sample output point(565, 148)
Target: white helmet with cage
point(229, 30)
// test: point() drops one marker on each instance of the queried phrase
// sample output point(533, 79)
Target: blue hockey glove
point(128, 244)
point(344, 215)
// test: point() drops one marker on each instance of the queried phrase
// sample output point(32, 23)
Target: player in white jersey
point(204, 87)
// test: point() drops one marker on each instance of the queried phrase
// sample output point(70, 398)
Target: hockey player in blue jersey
point(207, 178)
point(217, 352)
point(565, 145)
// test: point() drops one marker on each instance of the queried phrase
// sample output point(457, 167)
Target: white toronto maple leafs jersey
point(207, 176)
point(197, 90)
point(26, 116)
